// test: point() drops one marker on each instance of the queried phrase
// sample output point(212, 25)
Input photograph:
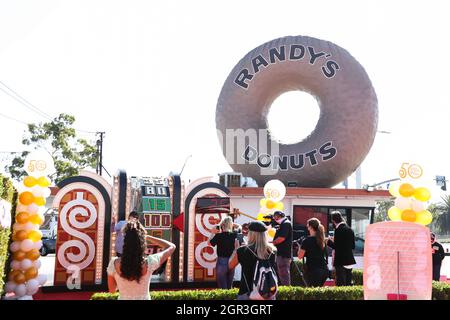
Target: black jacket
point(343, 245)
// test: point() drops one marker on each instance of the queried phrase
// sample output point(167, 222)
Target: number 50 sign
point(410, 170)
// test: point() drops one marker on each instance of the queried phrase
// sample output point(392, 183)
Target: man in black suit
point(343, 244)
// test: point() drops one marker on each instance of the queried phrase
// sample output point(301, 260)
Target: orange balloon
point(13, 274)
point(22, 217)
point(31, 273)
point(33, 254)
point(270, 204)
point(36, 219)
point(26, 198)
point(19, 255)
point(35, 235)
point(30, 181)
point(409, 215)
point(20, 278)
point(40, 201)
point(406, 190)
point(43, 182)
point(21, 235)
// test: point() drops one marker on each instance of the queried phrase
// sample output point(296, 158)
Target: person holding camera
point(283, 242)
point(223, 237)
point(314, 249)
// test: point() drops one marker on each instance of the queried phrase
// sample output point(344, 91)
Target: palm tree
point(382, 209)
point(441, 215)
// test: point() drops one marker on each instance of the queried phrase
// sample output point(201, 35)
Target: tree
point(58, 137)
point(381, 210)
point(441, 215)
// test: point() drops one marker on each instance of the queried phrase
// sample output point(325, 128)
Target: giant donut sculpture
point(348, 112)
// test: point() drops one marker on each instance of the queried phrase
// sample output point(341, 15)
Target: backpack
point(265, 282)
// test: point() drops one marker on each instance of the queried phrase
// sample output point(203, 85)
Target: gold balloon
point(422, 194)
point(271, 233)
point(40, 201)
point(33, 254)
point(22, 217)
point(409, 215)
point(21, 235)
point(19, 255)
point(35, 235)
point(270, 204)
point(279, 206)
point(406, 190)
point(31, 273)
point(20, 278)
point(36, 219)
point(13, 274)
point(29, 181)
point(26, 198)
point(425, 217)
point(43, 182)
point(395, 214)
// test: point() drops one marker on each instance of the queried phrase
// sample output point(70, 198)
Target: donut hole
point(292, 117)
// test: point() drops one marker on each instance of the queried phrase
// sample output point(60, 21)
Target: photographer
point(283, 242)
point(225, 239)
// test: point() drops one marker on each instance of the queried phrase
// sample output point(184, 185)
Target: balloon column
point(274, 192)
point(24, 278)
point(410, 203)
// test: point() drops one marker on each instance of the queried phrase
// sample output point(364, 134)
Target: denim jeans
point(224, 275)
point(284, 270)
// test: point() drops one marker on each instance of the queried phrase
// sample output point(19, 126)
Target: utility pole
point(99, 169)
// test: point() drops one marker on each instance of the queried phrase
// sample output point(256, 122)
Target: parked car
point(48, 246)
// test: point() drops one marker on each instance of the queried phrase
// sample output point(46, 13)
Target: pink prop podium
point(397, 262)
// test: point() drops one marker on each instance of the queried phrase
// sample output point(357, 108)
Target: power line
point(13, 119)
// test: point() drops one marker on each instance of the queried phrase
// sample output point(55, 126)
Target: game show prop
point(397, 254)
point(344, 133)
point(274, 192)
point(24, 279)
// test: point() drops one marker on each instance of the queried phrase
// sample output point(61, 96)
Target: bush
point(441, 291)
point(7, 193)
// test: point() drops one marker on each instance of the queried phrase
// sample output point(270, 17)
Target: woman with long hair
point(226, 241)
point(314, 249)
point(258, 247)
point(131, 273)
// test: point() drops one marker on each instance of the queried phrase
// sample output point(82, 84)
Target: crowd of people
point(247, 245)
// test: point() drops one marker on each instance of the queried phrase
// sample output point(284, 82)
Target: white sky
point(149, 73)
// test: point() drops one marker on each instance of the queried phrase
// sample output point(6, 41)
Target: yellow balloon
point(422, 194)
point(406, 190)
point(35, 235)
point(262, 203)
point(29, 181)
point(425, 217)
point(36, 219)
point(279, 206)
point(270, 204)
point(271, 233)
point(40, 201)
point(393, 189)
point(43, 182)
point(409, 215)
point(260, 217)
point(395, 214)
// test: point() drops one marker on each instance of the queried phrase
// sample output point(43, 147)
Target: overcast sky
point(149, 73)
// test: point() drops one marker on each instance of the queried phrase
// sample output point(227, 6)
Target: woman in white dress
point(131, 273)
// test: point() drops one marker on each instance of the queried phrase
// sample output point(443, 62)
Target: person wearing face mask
point(283, 242)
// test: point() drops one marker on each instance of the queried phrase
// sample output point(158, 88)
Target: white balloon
point(37, 264)
point(37, 191)
point(26, 264)
point(403, 203)
point(42, 279)
point(418, 206)
point(39, 163)
point(275, 190)
point(10, 287)
point(15, 246)
point(22, 188)
point(15, 265)
point(32, 287)
point(47, 192)
point(18, 226)
point(37, 245)
point(21, 208)
point(30, 226)
point(26, 245)
point(33, 208)
point(20, 290)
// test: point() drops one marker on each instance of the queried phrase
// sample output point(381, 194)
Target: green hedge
point(8, 193)
point(441, 291)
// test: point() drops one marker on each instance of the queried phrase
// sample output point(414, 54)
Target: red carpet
point(63, 296)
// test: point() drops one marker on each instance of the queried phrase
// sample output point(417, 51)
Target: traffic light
point(441, 182)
